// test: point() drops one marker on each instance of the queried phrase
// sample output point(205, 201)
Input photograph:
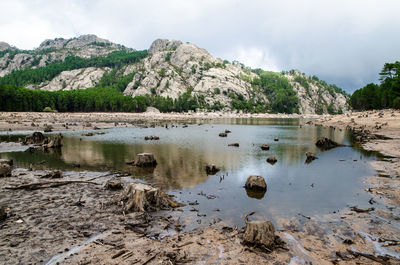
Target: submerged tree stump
point(139, 197)
point(144, 160)
point(272, 160)
point(264, 147)
point(326, 143)
point(211, 169)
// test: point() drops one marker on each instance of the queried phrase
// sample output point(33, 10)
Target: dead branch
point(47, 184)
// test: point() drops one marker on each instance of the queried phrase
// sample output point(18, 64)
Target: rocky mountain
point(170, 69)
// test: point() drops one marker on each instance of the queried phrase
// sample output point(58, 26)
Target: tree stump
point(9, 162)
point(259, 233)
point(272, 160)
point(113, 184)
point(211, 169)
point(255, 183)
point(34, 138)
point(310, 157)
point(55, 142)
point(144, 160)
point(5, 170)
point(223, 134)
point(264, 147)
point(234, 144)
point(139, 197)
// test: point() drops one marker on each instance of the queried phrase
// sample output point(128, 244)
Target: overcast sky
point(345, 42)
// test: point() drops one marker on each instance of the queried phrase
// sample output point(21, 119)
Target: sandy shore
point(81, 223)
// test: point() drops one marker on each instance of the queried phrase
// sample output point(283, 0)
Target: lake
point(330, 183)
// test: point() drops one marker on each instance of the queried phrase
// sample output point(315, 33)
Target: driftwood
point(359, 210)
point(47, 184)
point(369, 256)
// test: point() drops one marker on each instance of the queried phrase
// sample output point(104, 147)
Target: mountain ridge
point(172, 68)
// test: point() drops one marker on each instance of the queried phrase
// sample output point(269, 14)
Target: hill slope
point(170, 69)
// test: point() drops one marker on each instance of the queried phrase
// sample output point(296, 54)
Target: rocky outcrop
point(315, 96)
point(74, 79)
point(81, 41)
point(4, 46)
point(174, 68)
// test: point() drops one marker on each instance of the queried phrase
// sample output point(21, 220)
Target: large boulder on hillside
point(255, 183)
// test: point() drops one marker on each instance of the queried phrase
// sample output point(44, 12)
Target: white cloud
point(344, 42)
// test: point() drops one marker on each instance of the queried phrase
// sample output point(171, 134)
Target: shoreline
point(316, 239)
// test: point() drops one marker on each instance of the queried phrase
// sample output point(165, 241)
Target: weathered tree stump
point(151, 137)
point(211, 169)
point(255, 183)
point(139, 197)
point(113, 184)
point(264, 147)
point(144, 160)
point(5, 170)
point(223, 134)
point(55, 142)
point(259, 233)
point(272, 160)
point(34, 138)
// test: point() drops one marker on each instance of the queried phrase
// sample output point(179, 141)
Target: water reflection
point(328, 183)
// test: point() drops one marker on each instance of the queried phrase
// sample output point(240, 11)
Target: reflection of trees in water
point(177, 167)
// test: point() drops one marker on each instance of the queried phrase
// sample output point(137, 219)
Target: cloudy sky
point(345, 42)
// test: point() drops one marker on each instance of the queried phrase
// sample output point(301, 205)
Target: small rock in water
point(256, 182)
point(276, 139)
point(234, 144)
point(223, 134)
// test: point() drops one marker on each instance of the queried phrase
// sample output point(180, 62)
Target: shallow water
point(324, 186)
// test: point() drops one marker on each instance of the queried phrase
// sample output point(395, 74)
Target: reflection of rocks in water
point(256, 194)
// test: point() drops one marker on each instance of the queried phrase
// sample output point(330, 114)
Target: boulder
point(5, 170)
point(259, 233)
point(255, 183)
point(113, 184)
point(144, 160)
point(326, 143)
point(211, 169)
point(34, 138)
point(272, 160)
point(139, 197)
point(3, 214)
point(234, 144)
point(152, 110)
point(223, 134)
point(264, 147)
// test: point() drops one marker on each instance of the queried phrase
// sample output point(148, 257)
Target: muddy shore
point(80, 223)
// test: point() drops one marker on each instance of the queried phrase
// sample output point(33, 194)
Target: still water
point(330, 183)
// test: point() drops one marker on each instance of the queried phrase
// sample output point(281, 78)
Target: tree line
point(96, 99)
point(384, 95)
